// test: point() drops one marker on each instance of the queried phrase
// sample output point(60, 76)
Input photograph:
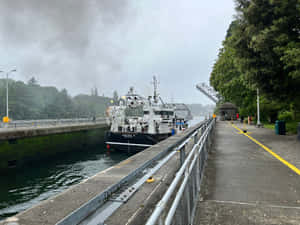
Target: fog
point(111, 45)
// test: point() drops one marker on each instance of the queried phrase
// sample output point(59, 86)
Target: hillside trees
point(261, 50)
point(32, 101)
point(266, 37)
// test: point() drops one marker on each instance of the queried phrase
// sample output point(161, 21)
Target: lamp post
point(7, 73)
point(258, 111)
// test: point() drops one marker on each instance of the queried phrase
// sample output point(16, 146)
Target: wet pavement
point(245, 184)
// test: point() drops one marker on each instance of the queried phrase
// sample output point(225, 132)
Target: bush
point(286, 116)
point(292, 127)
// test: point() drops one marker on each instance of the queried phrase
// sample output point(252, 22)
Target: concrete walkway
point(247, 184)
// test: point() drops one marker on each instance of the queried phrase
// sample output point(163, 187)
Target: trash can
point(280, 127)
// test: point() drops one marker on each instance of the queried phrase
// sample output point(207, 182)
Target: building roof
point(228, 105)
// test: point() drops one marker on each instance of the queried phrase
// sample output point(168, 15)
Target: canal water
point(24, 188)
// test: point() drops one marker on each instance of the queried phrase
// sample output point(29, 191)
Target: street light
point(7, 73)
point(258, 111)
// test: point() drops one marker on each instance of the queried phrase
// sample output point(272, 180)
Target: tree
point(115, 97)
point(32, 81)
point(266, 41)
point(261, 50)
point(227, 79)
point(94, 91)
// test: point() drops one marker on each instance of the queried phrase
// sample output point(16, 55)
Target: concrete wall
point(25, 146)
point(17, 133)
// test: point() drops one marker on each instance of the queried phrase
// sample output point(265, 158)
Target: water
point(24, 188)
point(195, 120)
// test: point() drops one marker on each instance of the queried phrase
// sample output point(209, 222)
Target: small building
point(228, 111)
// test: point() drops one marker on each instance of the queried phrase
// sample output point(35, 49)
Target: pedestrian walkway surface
point(244, 183)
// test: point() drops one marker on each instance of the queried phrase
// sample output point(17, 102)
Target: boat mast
point(155, 85)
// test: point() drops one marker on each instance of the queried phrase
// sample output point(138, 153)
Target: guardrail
point(102, 206)
point(189, 178)
point(50, 122)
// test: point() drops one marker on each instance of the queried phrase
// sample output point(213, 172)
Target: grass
point(269, 125)
point(291, 126)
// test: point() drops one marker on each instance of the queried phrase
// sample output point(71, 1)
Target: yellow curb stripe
point(292, 167)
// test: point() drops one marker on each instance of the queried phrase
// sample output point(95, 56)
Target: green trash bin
point(280, 127)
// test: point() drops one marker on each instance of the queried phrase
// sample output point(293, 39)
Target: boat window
point(135, 111)
point(146, 112)
point(164, 113)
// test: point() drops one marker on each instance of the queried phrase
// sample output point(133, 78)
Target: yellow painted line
point(242, 132)
point(291, 166)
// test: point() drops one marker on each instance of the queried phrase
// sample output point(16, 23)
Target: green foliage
point(269, 126)
point(286, 116)
point(292, 127)
point(266, 41)
point(261, 50)
point(32, 101)
point(227, 79)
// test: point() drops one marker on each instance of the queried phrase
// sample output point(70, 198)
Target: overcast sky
point(112, 45)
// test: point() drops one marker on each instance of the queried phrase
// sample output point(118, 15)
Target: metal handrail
point(182, 187)
point(49, 122)
point(184, 172)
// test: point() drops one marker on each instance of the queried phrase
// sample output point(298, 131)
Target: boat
point(137, 122)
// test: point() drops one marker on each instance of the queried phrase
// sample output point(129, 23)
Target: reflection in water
point(24, 188)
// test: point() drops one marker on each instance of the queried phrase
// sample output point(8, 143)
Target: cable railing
point(51, 122)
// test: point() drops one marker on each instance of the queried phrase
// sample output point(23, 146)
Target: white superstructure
point(138, 114)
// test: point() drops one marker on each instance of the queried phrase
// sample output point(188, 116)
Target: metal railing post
point(187, 198)
point(160, 221)
point(198, 174)
point(196, 138)
point(182, 155)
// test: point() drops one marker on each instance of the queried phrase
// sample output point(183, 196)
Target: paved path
point(247, 184)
